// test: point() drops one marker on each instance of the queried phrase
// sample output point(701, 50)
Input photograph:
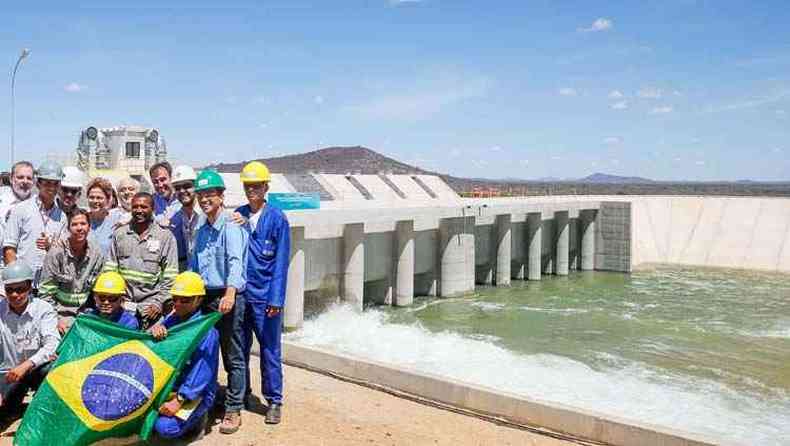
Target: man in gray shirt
point(28, 338)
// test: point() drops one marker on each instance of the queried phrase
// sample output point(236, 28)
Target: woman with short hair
point(103, 219)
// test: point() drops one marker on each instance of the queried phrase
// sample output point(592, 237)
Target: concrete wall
point(750, 233)
point(514, 408)
point(613, 237)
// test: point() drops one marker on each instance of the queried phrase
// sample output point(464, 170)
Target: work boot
point(230, 423)
point(273, 414)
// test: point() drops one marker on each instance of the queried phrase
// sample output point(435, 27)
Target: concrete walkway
point(324, 411)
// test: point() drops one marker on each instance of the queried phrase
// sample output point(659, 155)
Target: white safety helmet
point(182, 174)
point(72, 178)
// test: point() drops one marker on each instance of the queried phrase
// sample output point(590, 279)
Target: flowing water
point(705, 351)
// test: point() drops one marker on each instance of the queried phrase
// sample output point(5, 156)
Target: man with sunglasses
point(34, 225)
point(185, 222)
point(108, 297)
point(70, 189)
point(28, 338)
point(219, 258)
point(70, 268)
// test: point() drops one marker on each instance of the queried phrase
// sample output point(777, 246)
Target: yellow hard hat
point(188, 284)
point(110, 282)
point(255, 172)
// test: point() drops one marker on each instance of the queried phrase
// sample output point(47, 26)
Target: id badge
point(154, 246)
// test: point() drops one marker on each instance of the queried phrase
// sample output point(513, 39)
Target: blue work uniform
point(164, 208)
point(101, 231)
point(219, 257)
point(197, 381)
point(184, 229)
point(267, 272)
point(125, 319)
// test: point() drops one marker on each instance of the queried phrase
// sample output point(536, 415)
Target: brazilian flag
point(108, 381)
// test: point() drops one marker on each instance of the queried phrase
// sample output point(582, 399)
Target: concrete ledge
point(517, 409)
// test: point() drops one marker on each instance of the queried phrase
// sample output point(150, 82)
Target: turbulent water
point(705, 351)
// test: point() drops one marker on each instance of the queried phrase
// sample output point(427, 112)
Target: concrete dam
point(531, 295)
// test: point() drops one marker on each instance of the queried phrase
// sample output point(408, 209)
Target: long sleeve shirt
point(101, 230)
point(66, 280)
point(164, 209)
point(31, 335)
point(269, 251)
point(198, 378)
point(123, 318)
point(220, 253)
point(184, 229)
point(148, 263)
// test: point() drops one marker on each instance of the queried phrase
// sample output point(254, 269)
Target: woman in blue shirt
point(103, 218)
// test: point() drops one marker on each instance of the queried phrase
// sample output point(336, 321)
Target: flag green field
point(108, 381)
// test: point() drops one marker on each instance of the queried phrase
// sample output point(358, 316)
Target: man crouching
point(186, 411)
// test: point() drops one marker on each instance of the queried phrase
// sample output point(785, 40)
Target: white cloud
point(496, 149)
point(601, 24)
point(616, 94)
point(263, 125)
point(612, 140)
point(415, 103)
point(699, 162)
point(259, 100)
point(74, 87)
point(677, 93)
point(751, 103)
point(318, 100)
point(616, 162)
point(649, 93)
point(664, 109)
point(566, 91)
point(776, 150)
point(622, 105)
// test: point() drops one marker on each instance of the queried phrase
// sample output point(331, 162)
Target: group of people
point(147, 262)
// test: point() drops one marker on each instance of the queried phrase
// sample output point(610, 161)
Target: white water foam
point(628, 389)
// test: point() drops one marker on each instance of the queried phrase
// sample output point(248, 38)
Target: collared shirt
point(26, 222)
point(220, 254)
point(184, 229)
point(31, 335)
point(269, 253)
point(101, 230)
point(123, 318)
point(164, 209)
point(66, 280)
point(198, 378)
point(148, 262)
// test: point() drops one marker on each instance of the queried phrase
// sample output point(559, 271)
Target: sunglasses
point(183, 187)
point(70, 191)
point(108, 299)
point(16, 289)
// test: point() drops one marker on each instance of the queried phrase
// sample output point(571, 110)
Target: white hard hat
point(72, 178)
point(183, 173)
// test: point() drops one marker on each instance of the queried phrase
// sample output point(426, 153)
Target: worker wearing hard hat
point(189, 218)
point(70, 188)
point(28, 337)
point(109, 293)
point(219, 258)
point(185, 413)
point(267, 272)
point(35, 224)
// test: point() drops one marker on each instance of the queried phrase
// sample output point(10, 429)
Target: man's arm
point(11, 238)
point(50, 337)
point(48, 287)
point(111, 262)
point(282, 259)
point(169, 267)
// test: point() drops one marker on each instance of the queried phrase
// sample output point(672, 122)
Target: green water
point(732, 327)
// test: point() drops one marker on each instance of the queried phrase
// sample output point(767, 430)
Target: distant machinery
point(119, 151)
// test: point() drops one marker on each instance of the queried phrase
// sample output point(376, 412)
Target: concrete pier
point(563, 243)
point(535, 245)
point(354, 264)
point(587, 220)
point(574, 260)
point(548, 243)
point(293, 313)
point(404, 268)
point(456, 256)
point(503, 254)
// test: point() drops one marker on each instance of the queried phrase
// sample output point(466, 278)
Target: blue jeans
point(268, 332)
point(231, 344)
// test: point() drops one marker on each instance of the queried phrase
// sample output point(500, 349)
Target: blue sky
point(667, 89)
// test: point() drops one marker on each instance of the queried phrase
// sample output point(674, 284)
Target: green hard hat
point(209, 179)
point(50, 170)
point(17, 272)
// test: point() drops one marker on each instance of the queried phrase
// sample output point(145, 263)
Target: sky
point(664, 89)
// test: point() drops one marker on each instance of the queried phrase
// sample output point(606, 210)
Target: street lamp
point(25, 52)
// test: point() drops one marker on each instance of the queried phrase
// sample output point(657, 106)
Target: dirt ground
point(324, 411)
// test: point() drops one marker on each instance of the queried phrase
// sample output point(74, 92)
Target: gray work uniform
point(66, 281)
point(148, 263)
point(26, 222)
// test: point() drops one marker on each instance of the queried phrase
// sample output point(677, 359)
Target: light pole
point(25, 52)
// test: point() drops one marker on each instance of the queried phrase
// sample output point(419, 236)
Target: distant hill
point(335, 160)
point(603, 178)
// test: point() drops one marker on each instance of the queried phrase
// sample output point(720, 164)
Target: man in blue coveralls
point(186, 411)
point(267, 270)
point(219, 257)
